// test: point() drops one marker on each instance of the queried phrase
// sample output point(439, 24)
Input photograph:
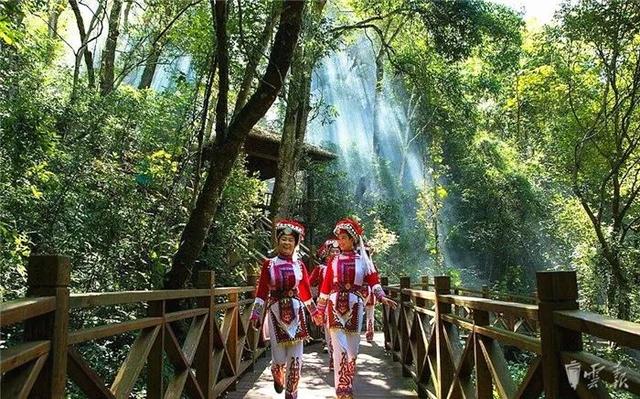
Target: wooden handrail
point(487, 292)
point(90, 334)
point(621, 332)
point(219, 329)
point(492, 305)
point(13, 312)
point(22, 353)
point(92, 299)
point(423, 334)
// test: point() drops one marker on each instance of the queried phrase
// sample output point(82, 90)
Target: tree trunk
point(55, 9)
point(254, 57)
point(203, 124)
point(222, 54)
point(226, 153)
point(84, 47)
point(107, 70)
point(150, 67)
point(295, 125)
point(157, 45)
point(377, 145)
point(125, 17)
point(292, 142)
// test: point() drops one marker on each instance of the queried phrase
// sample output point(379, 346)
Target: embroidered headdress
point(350, 226)
point(325, 248)
point(290, 226)
point(353, 228)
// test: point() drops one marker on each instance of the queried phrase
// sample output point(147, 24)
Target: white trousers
point(345, 351)
point(327, 338)
point(369, 312)
point(286, 363)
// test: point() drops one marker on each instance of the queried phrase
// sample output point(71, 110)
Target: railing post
point(421, 350)
point(49, 275)
point(384, 282)
point(203, 361)
point(445, 369)
point(424, 283)
point(485, 291)
point(232, 342)
point(253, 335)
point(405, 345)
point(484, 383)
point(155, 380)
point(556, 291)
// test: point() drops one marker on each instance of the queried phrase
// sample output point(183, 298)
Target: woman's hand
point(318, 318)
point(389, 302)
point(256, 317)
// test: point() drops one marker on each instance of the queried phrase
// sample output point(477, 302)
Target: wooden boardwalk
point(378, 376)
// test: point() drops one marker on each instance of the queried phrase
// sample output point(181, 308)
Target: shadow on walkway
point(378, 376)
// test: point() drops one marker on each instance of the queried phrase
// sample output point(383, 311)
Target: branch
point(633, 96)
point(632, 196)
point(219, 8)
point(360, 24)
point(273, 78)
point(130, 67)
point(628, 227)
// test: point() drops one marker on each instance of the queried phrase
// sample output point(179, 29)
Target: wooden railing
point(452, 345)
point(217, 343)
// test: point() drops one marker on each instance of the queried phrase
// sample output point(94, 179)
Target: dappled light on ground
point(378, 376)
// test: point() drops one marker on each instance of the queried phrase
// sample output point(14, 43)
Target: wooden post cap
point(206, 279)
point(442, 284)
point(424, 280)
point(48, 271)
point(557, 286)
point(405, 282)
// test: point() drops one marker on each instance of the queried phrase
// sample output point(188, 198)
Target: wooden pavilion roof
point(262, 147)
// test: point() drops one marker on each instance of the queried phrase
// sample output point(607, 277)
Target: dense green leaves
point(529, 139)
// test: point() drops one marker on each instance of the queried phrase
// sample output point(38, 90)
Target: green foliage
point(237, 212)
point(502, 121)
point(104, 180)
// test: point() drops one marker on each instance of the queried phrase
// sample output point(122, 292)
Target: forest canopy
point(469, 142)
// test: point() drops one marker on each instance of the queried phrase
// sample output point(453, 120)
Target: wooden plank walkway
point(377, 377)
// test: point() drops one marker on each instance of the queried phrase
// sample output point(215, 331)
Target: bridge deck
point(378, 376)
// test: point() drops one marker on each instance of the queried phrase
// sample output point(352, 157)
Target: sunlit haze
point(539, 10)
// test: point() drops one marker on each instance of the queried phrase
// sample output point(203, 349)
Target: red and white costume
point(316, 279)
point(283, 289)
point(343, 304)
point(369, 312)
point(370, 305)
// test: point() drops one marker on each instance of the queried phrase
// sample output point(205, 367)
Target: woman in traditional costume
point(284, 289)
point(342, 304)
point(370, 303)
point(329, 248)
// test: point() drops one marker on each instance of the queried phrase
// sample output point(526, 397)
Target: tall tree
point(228, 145)
point(85, 38)
point(296, 114)
point(602, 76)
point(167, 15)
point(107, 70)
point(254, 57)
